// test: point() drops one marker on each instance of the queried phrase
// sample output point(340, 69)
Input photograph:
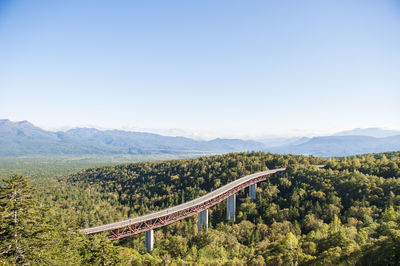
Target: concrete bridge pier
point(252, 191)
point(231, 208)
point(202, 221)
point(149, 240)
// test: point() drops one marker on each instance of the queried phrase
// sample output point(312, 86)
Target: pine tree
point(21, 222)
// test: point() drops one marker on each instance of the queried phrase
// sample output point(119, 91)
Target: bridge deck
point(181, 207)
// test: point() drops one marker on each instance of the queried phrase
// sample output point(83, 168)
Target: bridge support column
point(202, 221)
point(252, 191)
point(149, 240)
point(231, 208)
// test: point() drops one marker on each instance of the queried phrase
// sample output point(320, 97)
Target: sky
point(202, 68)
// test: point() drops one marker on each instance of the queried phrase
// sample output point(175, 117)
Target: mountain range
point(371, 132)
point(334, 146)
point(24, 138)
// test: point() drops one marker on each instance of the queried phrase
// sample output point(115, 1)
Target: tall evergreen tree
point(21, 222)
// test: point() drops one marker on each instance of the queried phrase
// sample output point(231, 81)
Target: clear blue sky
point(217, 68)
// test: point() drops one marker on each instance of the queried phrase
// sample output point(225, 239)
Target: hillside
point(343, 214)
point(159, 184)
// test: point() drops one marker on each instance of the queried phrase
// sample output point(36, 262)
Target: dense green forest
point(347, 213)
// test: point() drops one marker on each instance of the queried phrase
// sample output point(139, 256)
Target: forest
point(347, 213)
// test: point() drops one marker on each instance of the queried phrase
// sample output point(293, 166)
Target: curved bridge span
point(148, 222)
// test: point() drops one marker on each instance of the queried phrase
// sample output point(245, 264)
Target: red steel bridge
point(146, 223)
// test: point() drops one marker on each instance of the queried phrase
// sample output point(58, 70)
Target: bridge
point(147, 223)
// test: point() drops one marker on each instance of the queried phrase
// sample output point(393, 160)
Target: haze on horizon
point(206, 69)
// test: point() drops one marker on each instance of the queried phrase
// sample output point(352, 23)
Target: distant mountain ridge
point(332, 146)
point(24, 138)
point(371, 132)
point(282, 141)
